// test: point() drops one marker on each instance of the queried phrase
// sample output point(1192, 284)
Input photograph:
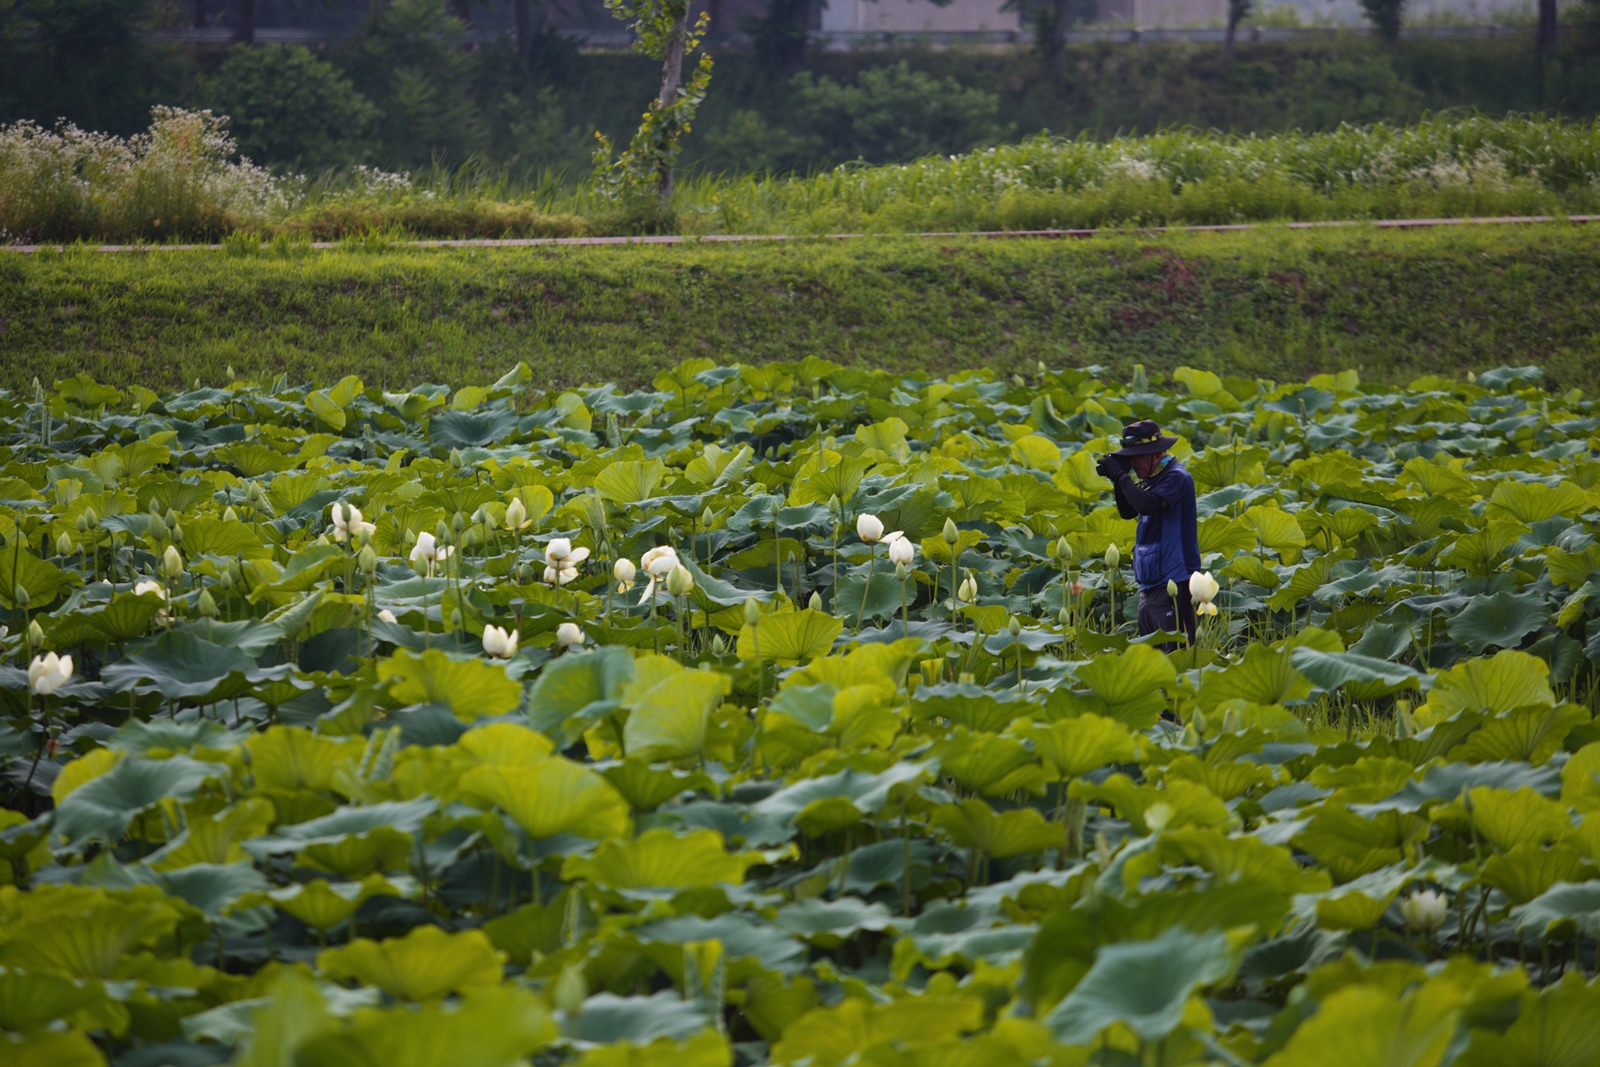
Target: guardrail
point(844, 41)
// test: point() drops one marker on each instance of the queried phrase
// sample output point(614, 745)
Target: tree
point(244, 31)
point(1385, 16)
point(1238, 11)
point(1545, 39)
point(661, 31)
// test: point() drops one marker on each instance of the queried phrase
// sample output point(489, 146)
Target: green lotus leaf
point(1128, 687)
point(661, 858)
point(827, 1036)
point(645, 787)
point(1507, 818)
point(1371, 1025)
point(1500, 620)
point(629, 481)
point(669, 709)
point(1350, 845)
point(1580, 779)
point(1231, 859)
point(470, 688)
point(1074, 747)
point(576, 691)
point(607, 1018)
point(708, 1048)
point(1480, 550)
point(289, 759)
point(855, 603)
point(206, 536)
point(1266, 675)
point(426, 964)
point(973, 824)
point(972, 706)
point(471, 429)
point(215, 839)
point(991, 765)
point(555, 796)
point(51, 1048)
point(215, 889)
point(1276, 529)
point(1557, 1027)
point(43, 580)
point(1526, 735)
point(1364, 677)
point(1528, 870)
point(498, 1027)
point(323, 905)
point(1308, 579)
point(182, 665)
point(1503, 682)
point(1181, 803)
point(867, 793)
point(104, 808)
point(789, 637)
point(81, 932)
point(31, 1001)
point(1360, 903)
point(1143, 985)
point(1531, 502)
point(828, 922)
point(292, 1012)
point(690, 949)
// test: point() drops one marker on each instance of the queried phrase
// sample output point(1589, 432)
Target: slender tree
point(1546, 36)
point(244, 31)
point(1238, 11)
point(1386, 17)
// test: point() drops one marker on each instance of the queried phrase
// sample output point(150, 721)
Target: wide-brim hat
point(1143, 438)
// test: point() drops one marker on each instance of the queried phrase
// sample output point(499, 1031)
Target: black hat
point(1143, 438)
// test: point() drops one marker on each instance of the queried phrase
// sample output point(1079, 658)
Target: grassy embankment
point(1274, 303)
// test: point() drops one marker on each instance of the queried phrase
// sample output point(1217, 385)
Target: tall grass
point(180, 180)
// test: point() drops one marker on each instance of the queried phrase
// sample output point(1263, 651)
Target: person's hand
point(1111, 467)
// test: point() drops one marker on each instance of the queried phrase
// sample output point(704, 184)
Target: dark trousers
point(1158, 611)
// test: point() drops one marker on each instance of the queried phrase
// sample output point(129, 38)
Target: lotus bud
point(234, 571)
point(869, 528)
point(1064, 616)
point(1424, 911)
point(571, 990)
point(35, 634)
point(441, 533)
point(1015, 626)
point(1102, 849)
point(719, 646)
point(950, 533)
point(177, 534)
point(679, 581)
point(707, 519)
point(367, 561)
point(1064, 549)
point(901, 573)
point(1198, 721)
point(225, 582)
point(569, 634)
point(386, 615)
point(1018, 381)
point(1140, 384)
point(752, 611)
point(229, 515)
point(157, 528)
point(455, 458)
point(64, 545)
point(1157, 816)
point(172, 562)
point(91, 518)
point(902, 552)
point(1230, 721)
point(500, 643)
point(82, 523)
point(458, 522)
point(1113, 555)
point(516, 514)
point(595, 508)
point(206, 605)
point(814, 602)
point(1172, 589)
point(623, 571)
point(834, 507)
point(1041, 368)
point(967, 591)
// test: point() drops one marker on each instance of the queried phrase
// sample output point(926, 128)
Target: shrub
point(291, 108)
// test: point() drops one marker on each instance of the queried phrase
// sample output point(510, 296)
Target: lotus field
point(793, 714)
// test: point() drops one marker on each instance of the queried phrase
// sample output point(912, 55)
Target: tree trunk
point(463, 12)
point(1057, 49)
point(199, 14)
point(522, 14)
point(1546, 38)
point(1228, 40)
point(245, 31)
point(800, 13)
point(714, 12)
point(671, 80)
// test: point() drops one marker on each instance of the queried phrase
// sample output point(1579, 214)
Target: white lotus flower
point(1424, 911)
point(387, 616)
point(1206, 608)
point(679, 581)
point(624, 571)
point(1202, 587)
point(347, 521)
point(869, 528)
point(569, 634)
point(516, 514)
point(559, 575)
point(49, 672)
point(150, 586)
point(561, 551)
point(656, 564)
point(428, 550)
point(901, 551)
point(967, 590)
point(501, 644)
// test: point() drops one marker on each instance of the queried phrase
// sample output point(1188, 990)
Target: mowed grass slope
point(1273, 303)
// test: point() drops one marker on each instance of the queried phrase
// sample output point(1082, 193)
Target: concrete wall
point(914, 16)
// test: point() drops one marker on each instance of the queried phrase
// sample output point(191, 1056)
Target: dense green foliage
point(441, 783)
point(398, 95)
point(1278, 304)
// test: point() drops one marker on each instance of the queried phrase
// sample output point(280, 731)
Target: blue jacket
point(1167, 544)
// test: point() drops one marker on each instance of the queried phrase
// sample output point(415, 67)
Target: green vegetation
point(178, 182)
point(1272, 303)
point(339, 727)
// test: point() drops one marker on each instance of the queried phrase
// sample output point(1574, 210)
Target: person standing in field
point(1154, 486)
